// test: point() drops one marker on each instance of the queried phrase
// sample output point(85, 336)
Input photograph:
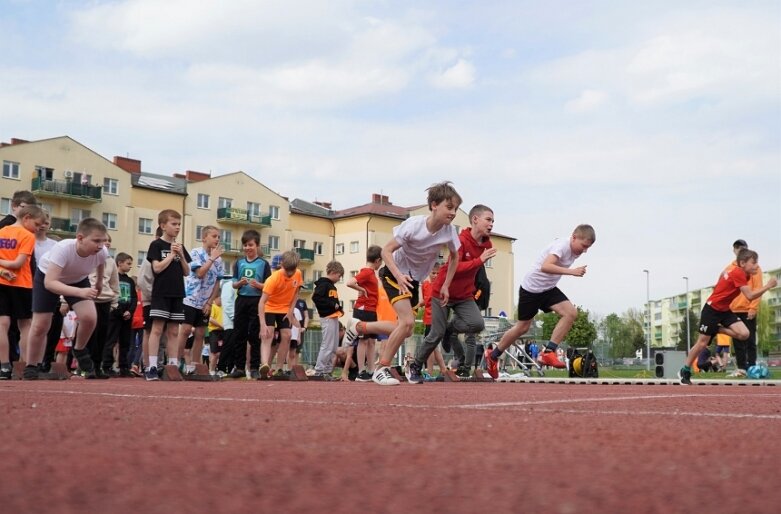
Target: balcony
point(235, 248)
point(308, 286)
point(63, 227)
point(67, 189)
point(306, 256)
point(236, 216)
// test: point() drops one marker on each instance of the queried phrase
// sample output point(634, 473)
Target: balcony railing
point(63, 227)
point(67, 188)
point(305, 255)
point(237, 216)
point(236, 248)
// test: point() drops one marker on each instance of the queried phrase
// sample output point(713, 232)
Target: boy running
point(409, 257)
point(365, 309)
point(539, 292)
point(716, 318)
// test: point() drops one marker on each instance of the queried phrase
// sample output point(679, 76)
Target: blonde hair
point(585, 232)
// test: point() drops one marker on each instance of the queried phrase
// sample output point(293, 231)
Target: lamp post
point(648, 303)
point(688, 331)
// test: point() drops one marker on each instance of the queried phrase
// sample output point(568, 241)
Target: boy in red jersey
point(716, 318)
point(365, 309)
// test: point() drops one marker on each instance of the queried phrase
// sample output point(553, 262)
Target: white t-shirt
point(75, 268)
point(536, 281)
point(295, 332)
point(420, 248)
point(42, 247)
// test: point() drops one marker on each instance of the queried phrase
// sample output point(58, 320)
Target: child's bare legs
point(283, 348)
point(153, 343)
point(514, 332)
point(265, 346)
point(292, 358)
point(401, 331)
point(699, 346)
point(371, 355)
point(24, 333)
point(365, 356)
point(5, 345)
point(197, 349)
point(61, 358)
point(173, 348)
point(36, 344)
point(568, 314)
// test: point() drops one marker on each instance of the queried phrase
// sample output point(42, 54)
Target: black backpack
point(582, 365)
point(482, 289)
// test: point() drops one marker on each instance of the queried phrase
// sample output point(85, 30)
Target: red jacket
point(463, 285)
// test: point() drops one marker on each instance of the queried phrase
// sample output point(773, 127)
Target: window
point(82, 178)
point(317, 275)
point(110, 186)
point(144, 225)
point(339, 248)
point(44, 173)
point(253, 208)
point(110, 220)
point(203, 201)
point(141, 258)
point(273, 242)
point(112, 252)
point(222, 203)
point(79, 214)
point(11, 169)
point(354, 246)
point(5, 206)
point(489, 263)
point(318, 248)
point(299, 243)
point(226, 237)
point(273, 210)
point(198, 230)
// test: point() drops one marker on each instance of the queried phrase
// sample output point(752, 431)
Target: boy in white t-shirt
point(539, 292)
point(409, 258)
point(65, 271)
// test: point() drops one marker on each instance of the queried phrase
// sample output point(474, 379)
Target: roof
point(376, 209)
point(312, 209)
point(166, 183)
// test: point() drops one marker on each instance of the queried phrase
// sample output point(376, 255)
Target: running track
point(125, 445)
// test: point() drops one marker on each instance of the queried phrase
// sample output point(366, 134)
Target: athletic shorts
point(215, 341)
point(169, 309)
point(16, 302)
point(392, 288)
point(366, 316)
point(711, 320)
point(277, 320)
point(195, 317)
point(721, 349)
point(46, 301)
point(530, 303)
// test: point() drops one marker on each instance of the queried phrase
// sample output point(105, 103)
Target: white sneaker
point(350, 331)
point(383, 377)
point(738, 373)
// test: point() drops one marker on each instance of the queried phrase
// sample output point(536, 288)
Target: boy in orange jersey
point(275, 310)
point(746, 311)
point(17, 243)
point(716, 317)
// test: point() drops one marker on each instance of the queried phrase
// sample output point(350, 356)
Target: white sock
point(173, 361)
point(153, 362)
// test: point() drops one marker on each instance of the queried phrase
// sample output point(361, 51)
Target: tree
point(581, 335)
point(764, 343)
point(693, 331)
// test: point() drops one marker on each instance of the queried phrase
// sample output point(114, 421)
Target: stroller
point(516, 353)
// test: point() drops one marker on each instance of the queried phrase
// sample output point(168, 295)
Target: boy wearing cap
point(249, 275)
point(746, 311)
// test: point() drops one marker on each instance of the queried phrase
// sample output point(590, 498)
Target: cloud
point(588, 100)
point(458, 76)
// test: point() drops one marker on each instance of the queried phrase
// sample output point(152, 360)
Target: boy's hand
point(405, 282)
point(772, 283)
point(207, 308)
point(266, 332)
point(8, 275)
point(345, 376)
point(126, 315)
point(579, 271)
point(243, 282)
point(88, 293)
point(216, 252)
point(444, 291)
point(488, 254)
point(64, 308)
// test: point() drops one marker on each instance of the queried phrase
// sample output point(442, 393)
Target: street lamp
point(688, 331)
point(648, 302)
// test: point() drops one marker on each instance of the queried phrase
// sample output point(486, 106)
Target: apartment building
point(73, 182)
point(668, 315)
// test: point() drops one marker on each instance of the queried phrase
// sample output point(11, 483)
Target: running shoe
point(685, 375)
point(550, 359)
point(491, 364)
point(151, 374)
point(463, 372)
point(413, 374)
point(382, 376)
point(264, 371)
point(364, 376)
point(8, 373)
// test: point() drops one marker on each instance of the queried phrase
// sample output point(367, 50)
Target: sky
point(659, 123)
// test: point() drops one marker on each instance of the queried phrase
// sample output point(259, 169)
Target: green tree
point(582, 334)
point(764, 328)
point(693, 331)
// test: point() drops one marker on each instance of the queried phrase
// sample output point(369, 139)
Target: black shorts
point(530, 303)
point(169, 309)
point(711, 320)
point(195, 317)
point(147, 317)
point(277, 320)
point(366, 316)
point(46, 301)
point(16, 302)
point(392, 288)
point(215, 341)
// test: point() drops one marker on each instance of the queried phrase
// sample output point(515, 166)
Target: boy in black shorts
point(539, 292)
point(716, 318)
point(170, 264)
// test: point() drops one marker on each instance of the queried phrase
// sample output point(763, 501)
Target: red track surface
point(132, 446)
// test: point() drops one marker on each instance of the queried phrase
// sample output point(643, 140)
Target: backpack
point(482, 289)
point(582, 365)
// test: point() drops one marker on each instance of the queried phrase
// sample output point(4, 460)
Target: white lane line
point(655, 413)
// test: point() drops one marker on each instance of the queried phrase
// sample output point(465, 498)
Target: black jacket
point(326, 298)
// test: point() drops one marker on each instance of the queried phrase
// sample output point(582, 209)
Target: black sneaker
point(125, 373)
point(414, 376)
point(254, 374)
point(151, 374)
point(364, 376)
point(463, 372)
point(30, 372)
point(8, 373)
point(685, 375)
point(237, 373)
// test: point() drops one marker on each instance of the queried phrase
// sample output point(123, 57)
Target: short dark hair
point(740, 243)
point(373, 253)
point(334, 267)
point(21, 197)
point(250, 235)
point(477, 210)
point(441, 192)
point(122, 257)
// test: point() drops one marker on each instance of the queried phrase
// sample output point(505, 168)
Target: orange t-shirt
point(723, 340)
point(281, 291)
point(15, 240)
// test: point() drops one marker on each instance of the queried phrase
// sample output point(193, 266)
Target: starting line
point(635, 381)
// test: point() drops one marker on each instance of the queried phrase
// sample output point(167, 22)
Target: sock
point(551, 346)
point(189, 368)
point(173, 361)
point(153, 361)
point(496, 353)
